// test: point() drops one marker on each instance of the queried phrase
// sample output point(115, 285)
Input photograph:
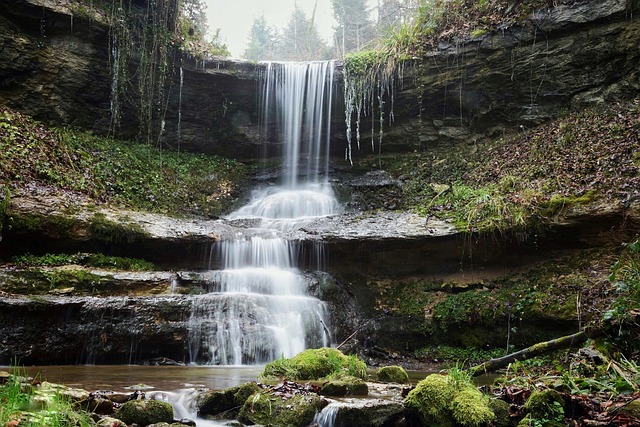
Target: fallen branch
point(533, 351)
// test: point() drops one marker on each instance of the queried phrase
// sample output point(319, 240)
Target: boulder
point(392, 374)
point(345, 386)
point(145, 412)
point(225, 403)
point(293, 411)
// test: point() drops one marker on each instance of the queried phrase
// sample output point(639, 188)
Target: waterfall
point(327, 417)
point(257, 308)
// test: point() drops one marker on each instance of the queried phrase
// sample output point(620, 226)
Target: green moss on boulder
point(315, 364)
point(429, 400)
point(471, 408)
point(392, 374)
point(440, 401)
point(546, 405)
point(227, 402)
point(345, 386)
point(501, 411)
point(145, 412)
point(631, 409)
point(268, 409)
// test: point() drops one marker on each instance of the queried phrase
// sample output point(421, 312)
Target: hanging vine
point(142, 54)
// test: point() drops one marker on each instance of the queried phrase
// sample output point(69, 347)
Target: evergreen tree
point(194, 11)
point(300, 40)
point(393, 13)
point(355, 28)
point(262, 41)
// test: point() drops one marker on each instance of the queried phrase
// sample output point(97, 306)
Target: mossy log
point(535, 350)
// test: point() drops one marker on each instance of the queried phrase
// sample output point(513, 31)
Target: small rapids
point(327, 417)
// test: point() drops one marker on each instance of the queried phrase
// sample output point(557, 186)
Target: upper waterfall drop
point(298, 97)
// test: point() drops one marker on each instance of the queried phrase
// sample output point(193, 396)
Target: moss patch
point(136, 175)
point(440, 400)
point(145, 412)
point(345, 386)
point(531, 177)
point(392, 374)
point(86, 259)
point(316, 364)
point(546, 406)
point(226, 403)
point(267, 409)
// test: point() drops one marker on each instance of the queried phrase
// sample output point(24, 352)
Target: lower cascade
point(258, 307)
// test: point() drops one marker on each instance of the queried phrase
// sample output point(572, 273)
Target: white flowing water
point(258, 308)
point(327, 417)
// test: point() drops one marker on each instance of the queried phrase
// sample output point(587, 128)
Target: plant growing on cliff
point(4, 205)
point(144, 43)
point(86, 259)
point(107, 170)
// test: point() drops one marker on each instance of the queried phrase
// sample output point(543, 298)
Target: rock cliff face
point(54, 65)
point(567, 58)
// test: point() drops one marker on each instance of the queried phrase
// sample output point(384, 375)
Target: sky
point(235, 17)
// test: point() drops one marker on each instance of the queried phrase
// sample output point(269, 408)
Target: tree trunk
point(533, 351)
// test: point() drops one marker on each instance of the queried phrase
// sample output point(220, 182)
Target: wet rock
point(161, 361)
point(345, 386)
point(105, 402)
point(176, 424)
point(145, 412)
point(100, 406)
point(501, 411)
point(71, 394)
point(225, 403)
point(267, 409)
point(110, 422)
point(369, 413)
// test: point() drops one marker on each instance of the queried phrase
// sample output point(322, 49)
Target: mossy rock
point(501, 411)
point(315, 364)
point(440, 401)
point(631, 409)
point(392, 374)
point(547, 404)
point(470, 408)
point(226, 402)
point(372, 414)
point(429, 401)
point(268, 409)
point(345, 386)
point(145, 412)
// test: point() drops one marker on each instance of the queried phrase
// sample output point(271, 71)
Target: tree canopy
point(355, 28)
point(299, 40)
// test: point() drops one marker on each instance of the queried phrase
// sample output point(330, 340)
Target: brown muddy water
point(166, 378)
point(134, 377)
